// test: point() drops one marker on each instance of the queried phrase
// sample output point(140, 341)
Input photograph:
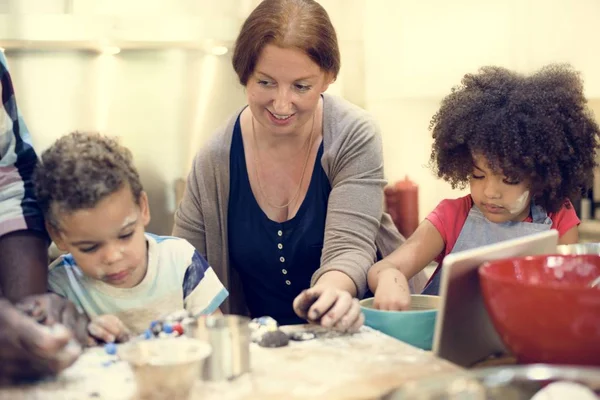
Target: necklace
point(257, 167)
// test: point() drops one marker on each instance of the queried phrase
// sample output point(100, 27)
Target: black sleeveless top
point(275, 260)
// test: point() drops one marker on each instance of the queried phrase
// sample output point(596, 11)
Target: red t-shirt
point(450, 216)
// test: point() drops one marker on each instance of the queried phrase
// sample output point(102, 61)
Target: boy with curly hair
point(525, 146)
point(96, 210)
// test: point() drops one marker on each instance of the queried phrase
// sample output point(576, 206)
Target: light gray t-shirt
point(177, 278)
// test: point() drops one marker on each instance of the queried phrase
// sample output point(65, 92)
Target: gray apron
point(479, 231)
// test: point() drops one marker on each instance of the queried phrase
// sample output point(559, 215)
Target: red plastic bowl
point(543, 308)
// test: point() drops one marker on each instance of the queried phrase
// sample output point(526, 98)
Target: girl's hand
point(393, 293)
point(109, 329)
point(329, 307)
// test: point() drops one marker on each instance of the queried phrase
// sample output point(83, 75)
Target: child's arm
point(566, 222)
point(570, 237)
point(388, 278)
point(108, 328)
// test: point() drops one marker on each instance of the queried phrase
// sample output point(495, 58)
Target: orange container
point(402, 203)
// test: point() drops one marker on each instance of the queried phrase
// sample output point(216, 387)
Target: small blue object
point(153, 324)
point(156, 328)
point(110, 348)
point(148, 334)
point(167, 328)
point(267, 321)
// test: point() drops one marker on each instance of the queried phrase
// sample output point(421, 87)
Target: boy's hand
point(392, 292)
point(108, 328)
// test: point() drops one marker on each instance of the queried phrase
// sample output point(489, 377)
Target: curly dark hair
point(535, 127)
point(81, 169)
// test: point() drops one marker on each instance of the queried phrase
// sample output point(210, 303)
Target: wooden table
point(366, 365)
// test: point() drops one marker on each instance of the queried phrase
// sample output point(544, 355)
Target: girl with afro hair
point(524, 145)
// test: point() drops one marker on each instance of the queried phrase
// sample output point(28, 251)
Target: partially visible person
point(23, 239)
point(34, 339)
point(96, 211)
point(525, 146)
point(30, 347)
point(286, 200)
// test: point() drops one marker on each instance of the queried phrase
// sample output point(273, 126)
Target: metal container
point(579, 248)
point(229, 337)
point(506, 383)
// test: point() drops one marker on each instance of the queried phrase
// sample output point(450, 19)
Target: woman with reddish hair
point(286, 200)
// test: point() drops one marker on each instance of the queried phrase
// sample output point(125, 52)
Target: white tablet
point(464, 333)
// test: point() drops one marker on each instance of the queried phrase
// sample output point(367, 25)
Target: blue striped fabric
point(18, 208)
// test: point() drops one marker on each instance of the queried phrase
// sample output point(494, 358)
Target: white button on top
point(282, 259)
point(288, 283)
point(279, 246)
point(279, 233)
point(284, 271)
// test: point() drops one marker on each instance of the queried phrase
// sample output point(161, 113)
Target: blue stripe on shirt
point(194, 273)
point(216, 302)
point(159, 239)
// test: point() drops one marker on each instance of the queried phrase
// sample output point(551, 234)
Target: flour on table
point(95, 375)
point(314, 367)
point(332, 365)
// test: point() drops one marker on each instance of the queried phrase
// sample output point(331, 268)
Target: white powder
point(95, 375)
point(363, 365)
point(519, 205)
point(325, 365)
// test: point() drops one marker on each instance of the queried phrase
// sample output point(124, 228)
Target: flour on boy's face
point(499, 198)
point(107, 241)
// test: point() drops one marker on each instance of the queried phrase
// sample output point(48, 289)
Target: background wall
point(153, 72)
point(416, 51)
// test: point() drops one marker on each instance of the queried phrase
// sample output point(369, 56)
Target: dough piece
point(276, 338)
point(302, 336)
point(176, 316)
point(265, 321)
point(305, 304)
point(260, 326)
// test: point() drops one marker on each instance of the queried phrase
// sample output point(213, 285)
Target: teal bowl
point(415, 327)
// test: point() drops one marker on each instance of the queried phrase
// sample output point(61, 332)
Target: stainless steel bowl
point(229, 337)
point(579, 248)
point(497, 383)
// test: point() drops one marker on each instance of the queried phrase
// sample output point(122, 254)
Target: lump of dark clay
point(274, 339)
point(304, 307)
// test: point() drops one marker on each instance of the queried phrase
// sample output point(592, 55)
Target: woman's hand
point(330, 307)
point(392, 293)
point(109, 329)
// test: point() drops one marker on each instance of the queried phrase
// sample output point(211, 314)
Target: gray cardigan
point(356, 223)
